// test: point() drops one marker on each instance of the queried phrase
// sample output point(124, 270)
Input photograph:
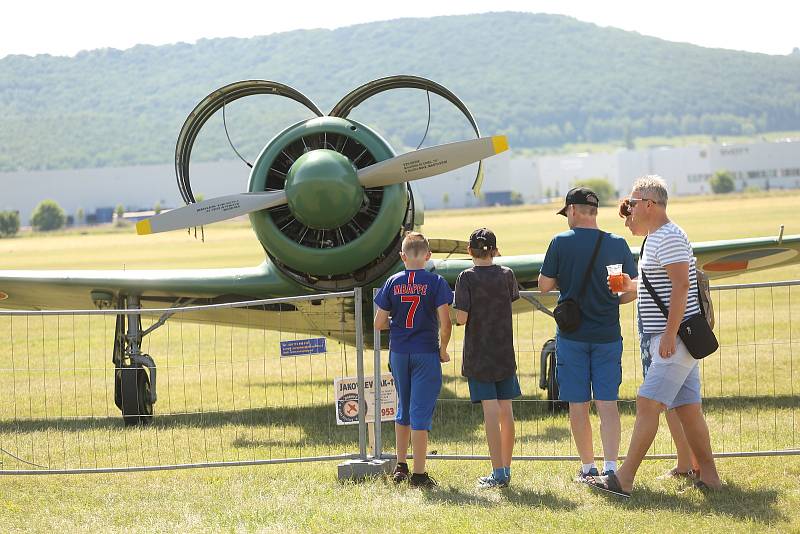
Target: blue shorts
point(673, 381)
point(503, 390)
point(588, 370)
point(417, 380)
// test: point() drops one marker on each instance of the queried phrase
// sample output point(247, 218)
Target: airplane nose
point(322, 189)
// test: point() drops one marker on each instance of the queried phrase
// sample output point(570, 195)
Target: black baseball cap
point(579, 195)
point(482, 239)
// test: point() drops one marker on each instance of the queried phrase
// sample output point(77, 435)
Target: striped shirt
point(665, 246)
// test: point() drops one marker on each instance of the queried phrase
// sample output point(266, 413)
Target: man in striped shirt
point(673, 379)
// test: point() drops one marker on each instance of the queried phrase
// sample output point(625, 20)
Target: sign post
point(348, 403)
point(376, 340)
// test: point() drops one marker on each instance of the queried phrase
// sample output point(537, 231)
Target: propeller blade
point(431, 161)
point(210, 211)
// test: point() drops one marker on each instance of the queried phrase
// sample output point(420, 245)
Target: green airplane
point(329, 200)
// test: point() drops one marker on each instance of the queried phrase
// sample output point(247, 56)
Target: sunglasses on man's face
point(633, 201)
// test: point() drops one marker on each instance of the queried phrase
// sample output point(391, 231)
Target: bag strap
point(699, 294)
point(591, 264)
point(655, 296)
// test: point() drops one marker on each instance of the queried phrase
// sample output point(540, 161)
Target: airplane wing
point(728, 258)
point(526, 268)
point(718, 259)
point(80, 290)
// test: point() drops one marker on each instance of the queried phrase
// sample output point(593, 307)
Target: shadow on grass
point(544, 499)
point(455, 420)
point(732, 501)
point(316, 423)
point(733, 403)
point(551, 433)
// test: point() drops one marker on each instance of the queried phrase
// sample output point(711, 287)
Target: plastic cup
point(615, 279)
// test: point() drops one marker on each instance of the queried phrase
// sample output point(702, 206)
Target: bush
point(722, 182)
point(47, 216)
point(9, 223)
point(605, 191)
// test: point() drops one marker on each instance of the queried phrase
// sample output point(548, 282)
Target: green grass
point(642, 143)
point(225, 395)
point(307, 498)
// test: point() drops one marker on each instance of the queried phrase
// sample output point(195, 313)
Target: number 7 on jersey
point(414, 300)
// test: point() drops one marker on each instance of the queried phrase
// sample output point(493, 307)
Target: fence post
point(362, 401)
point(376, 340)
point(362, 467)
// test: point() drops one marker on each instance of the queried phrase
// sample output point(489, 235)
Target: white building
point(687, 170)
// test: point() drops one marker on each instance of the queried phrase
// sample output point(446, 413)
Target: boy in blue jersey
point(414, 305)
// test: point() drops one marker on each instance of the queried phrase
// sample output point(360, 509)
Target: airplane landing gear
point(134, 372)
point(547, 376)
point(135, 399)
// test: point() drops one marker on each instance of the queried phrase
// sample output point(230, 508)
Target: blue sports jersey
point(412, 297)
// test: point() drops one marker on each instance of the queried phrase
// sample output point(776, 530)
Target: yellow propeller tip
point(143, 227)
point(500, 143)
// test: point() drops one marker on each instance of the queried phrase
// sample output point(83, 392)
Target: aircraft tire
point(137, 407)
point(552, 385)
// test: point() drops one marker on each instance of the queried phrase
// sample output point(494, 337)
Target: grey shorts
point(673, 381)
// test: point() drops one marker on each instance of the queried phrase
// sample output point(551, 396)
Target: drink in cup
point(615, 279)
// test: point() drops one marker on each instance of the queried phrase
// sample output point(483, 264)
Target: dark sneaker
point(400, 473)
point(606, 473)
point(418, 480)
point(491, 482)
point(581, 477)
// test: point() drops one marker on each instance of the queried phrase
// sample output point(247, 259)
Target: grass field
point(641, 143)
point(226, 395)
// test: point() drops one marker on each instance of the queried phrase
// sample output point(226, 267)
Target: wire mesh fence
point(225, 393)
point(227, 396)
point(749, 393)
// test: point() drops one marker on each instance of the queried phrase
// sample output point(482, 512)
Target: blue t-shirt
point(412, 297)
point(567, 259)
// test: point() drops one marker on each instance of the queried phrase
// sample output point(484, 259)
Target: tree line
point(543, 80)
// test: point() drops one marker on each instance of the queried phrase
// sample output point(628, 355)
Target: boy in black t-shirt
point(484, 294)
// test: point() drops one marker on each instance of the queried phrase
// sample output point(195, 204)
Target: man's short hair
point(653, 187)
point(585, 210)
point(415, 244)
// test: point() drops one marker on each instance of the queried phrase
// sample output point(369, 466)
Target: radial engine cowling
point(332, 233)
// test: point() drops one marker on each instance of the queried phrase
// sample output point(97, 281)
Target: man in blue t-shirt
point(589, 358)
point(414, 305)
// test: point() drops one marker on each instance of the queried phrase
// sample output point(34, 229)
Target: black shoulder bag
point(695, 331)
point(568, 312)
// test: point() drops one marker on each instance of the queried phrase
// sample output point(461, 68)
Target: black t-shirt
point(486, 294)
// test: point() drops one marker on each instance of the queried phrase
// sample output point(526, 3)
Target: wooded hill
point(542, 79)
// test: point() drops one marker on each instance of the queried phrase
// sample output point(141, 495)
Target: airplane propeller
point(414, 165)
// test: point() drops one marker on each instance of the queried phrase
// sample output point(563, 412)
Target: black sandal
point(609, 484)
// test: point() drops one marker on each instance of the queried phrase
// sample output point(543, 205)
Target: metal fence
point(225, 394)
point(749, 395)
